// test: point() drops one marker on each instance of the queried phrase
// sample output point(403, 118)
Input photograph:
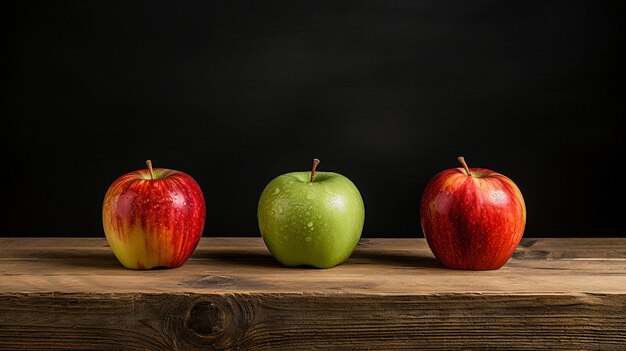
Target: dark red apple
point(472, 218)
point(153, 217)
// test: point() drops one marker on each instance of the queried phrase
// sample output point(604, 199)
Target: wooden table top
point(391, 294)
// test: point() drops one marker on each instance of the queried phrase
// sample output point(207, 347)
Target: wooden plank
point(243, 265)
point(308, 321)
point(72, 294)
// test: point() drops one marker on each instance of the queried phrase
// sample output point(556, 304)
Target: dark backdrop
point(385, 92)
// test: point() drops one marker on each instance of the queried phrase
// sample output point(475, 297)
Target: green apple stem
point(315, 163)
point(462, 160)
point(149, 163)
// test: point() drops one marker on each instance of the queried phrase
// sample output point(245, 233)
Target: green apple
point(311, 219)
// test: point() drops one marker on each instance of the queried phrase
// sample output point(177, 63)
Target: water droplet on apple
point(310, 224)
point(308, 239)
point(276, 191)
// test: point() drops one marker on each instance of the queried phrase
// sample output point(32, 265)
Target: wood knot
point(205, 319)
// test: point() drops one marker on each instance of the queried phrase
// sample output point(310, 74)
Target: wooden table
point(391, 294)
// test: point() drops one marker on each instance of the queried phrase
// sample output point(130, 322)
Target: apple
point(153, 217)
point(472, 218)
point(311, 219)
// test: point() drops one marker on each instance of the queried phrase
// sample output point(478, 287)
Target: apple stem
point(462, 160)
point(149, 163)
point(315, 163)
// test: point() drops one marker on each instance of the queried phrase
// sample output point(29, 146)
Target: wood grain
point(554, 294)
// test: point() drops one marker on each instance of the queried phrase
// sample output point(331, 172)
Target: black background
point(387, 93)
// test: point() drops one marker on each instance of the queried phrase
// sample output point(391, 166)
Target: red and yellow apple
point(472, 218)
point(153, 217)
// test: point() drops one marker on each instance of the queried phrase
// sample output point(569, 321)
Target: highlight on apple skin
point(153, 217)
point(472, 218)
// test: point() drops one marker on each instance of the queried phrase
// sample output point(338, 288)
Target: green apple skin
point(306, 223)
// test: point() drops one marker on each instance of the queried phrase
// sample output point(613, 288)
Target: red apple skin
point(472, 222)
point(153, 222)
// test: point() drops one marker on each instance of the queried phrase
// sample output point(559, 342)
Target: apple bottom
point(480, 264)
point(473, 252)
point(146, 250)
point(311, 250)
